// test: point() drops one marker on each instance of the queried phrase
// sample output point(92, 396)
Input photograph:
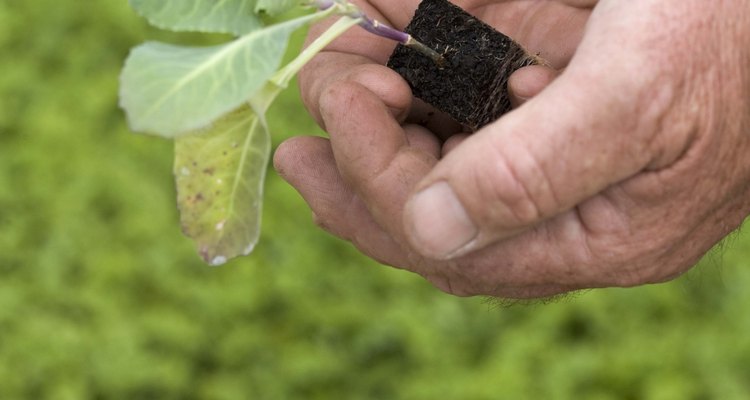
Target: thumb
point(584, 132)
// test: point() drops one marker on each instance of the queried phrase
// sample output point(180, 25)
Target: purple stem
point(376, 27)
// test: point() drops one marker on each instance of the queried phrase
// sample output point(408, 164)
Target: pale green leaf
point(275, 7)
point(219, 175)
point(221, 16)
point(171, 90)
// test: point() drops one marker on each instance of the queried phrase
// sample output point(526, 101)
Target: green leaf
point(219, 175)
point(221, 16)
point(275, 7)
point(172, 90)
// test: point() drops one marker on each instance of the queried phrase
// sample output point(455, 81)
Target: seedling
point(213, 101)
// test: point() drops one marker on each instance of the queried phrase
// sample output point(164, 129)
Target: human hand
point(623, 171)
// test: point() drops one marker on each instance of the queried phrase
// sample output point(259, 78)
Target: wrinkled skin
point(623, 163)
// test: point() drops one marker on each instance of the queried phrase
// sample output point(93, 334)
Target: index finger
point(357, 47)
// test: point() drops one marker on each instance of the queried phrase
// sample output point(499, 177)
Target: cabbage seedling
point(213, 100)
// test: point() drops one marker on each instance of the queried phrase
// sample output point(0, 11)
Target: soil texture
point(472, 84)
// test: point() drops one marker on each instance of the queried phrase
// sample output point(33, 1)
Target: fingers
point(329, 68)
point(527, 82)
point(551, 29)
point(453, 142)
point(538, 161)
point(378, 158)
point(369, 168)
point(436, 121)
point(360, 56)
point(566, 188)
point(308, 165)
point(524, 84)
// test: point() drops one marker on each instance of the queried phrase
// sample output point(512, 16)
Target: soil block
point(472, 84)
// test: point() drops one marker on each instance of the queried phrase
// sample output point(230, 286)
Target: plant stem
point(344, 7)
point(436, 57)
point(380, 29)
point(286, 74)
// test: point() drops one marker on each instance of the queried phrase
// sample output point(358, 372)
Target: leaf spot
point(218, 260)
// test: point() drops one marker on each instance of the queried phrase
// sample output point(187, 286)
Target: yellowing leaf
point(219, 175)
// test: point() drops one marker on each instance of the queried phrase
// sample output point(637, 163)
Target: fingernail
point(440, 224)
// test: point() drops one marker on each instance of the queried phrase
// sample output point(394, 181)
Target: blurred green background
point(101, 297)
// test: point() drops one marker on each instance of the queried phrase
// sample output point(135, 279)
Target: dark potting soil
point(471, 85)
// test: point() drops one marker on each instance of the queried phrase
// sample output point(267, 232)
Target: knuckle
point(519, 189)
point(333, 95)
point(335, 92)
point(336, 99)
point(665, 134)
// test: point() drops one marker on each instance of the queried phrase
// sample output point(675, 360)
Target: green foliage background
point(102, 298)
